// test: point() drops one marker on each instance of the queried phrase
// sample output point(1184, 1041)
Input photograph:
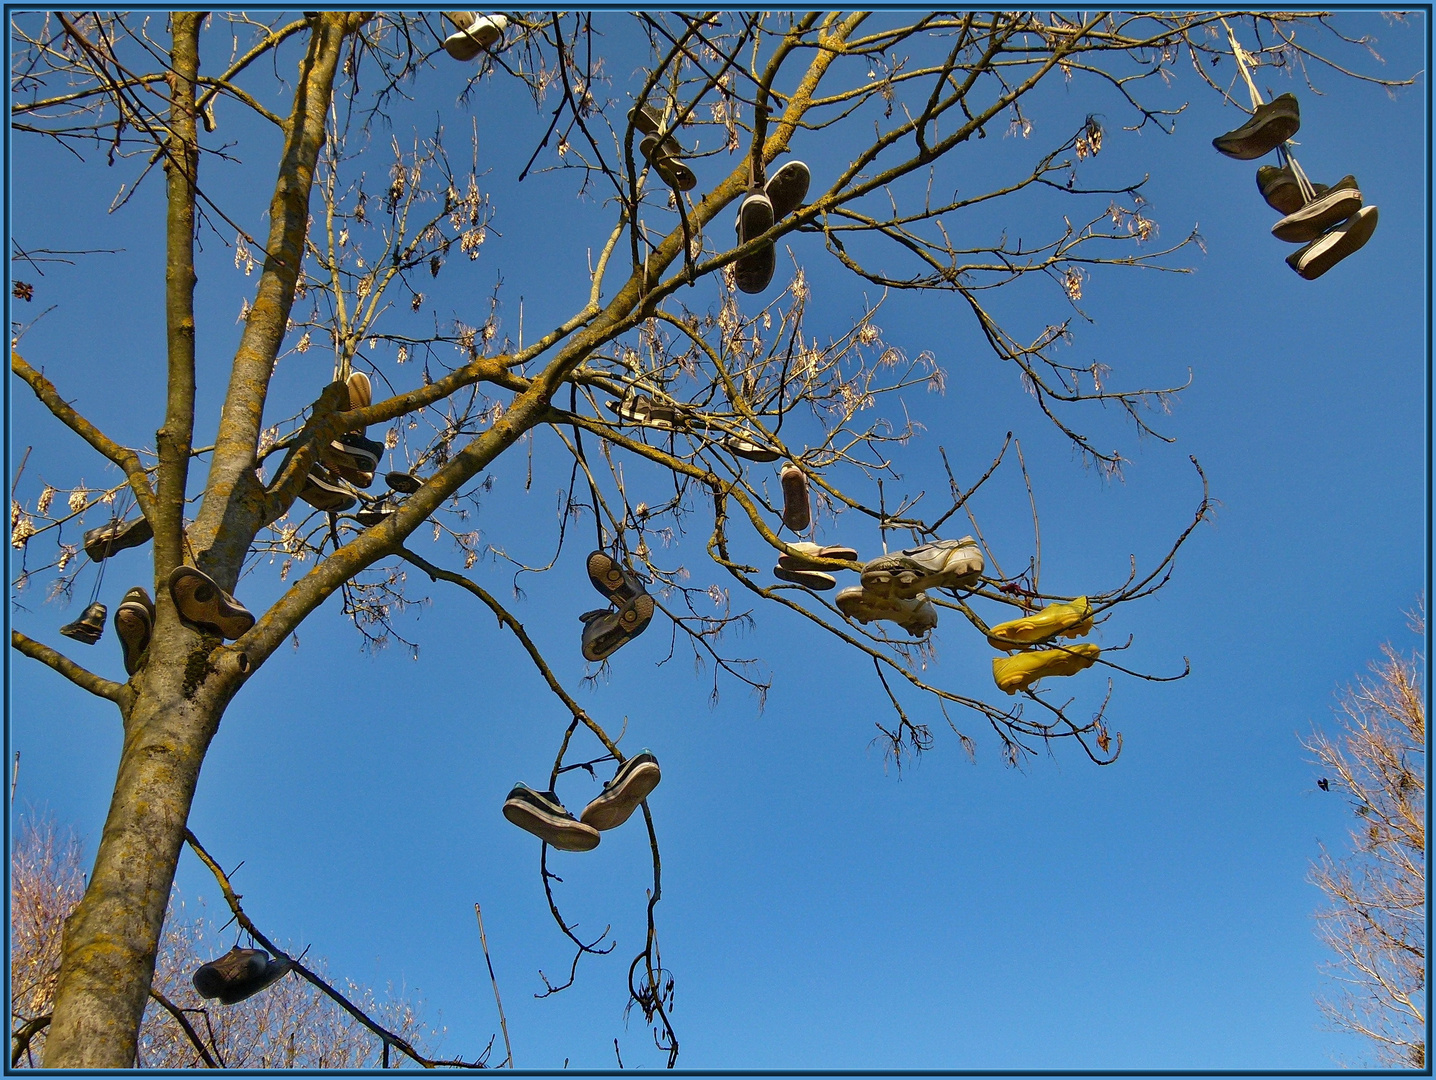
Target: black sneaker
point(89, 627)
point(753, 272)
point(1321, 255)
point(375, 512)
point(1310, 221)
point(605, 632)
point(612, 578)
point(540, 813)
point(643, 410)
point(635, 778)
point(402, 482)
point(118, 535)
point(1270, 126)
point(325, 491)
point(134, 622)
point(353, 457)
point(787, 188)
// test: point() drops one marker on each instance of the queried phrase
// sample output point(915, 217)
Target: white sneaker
point(915, 615)
point(484, 32)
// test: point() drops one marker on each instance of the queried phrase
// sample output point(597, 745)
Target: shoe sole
point(131, 534)
point(816, 580)
point(787, 188)
point(797, 509)
point(564, 834)
point(1321, 255)
point(633, 619)
point(617, 804)
point(607, 577)
point(273, 972)
point(666, 164)
point(133, 626)
point(202, 603)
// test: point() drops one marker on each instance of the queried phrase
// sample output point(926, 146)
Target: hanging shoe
point(324, 491)
point(482, 32)
point(361, 391)
point(643, 410)
point(663, 156)
point(89, 627)
point(353, 457)
point(134, 622)
point(1071, 620)
point(613, 579)
point(402, 482)
point(740, 446)
point(787, 188)
point(941, 564)
point(1279, 187)
point(605, 632)
point(1270, 126)
point(797, 508)
point(916, 615)
point(118, 535)
point(1314, 218)
point(809, 550)
point(630, 785)
point(375, 512)
point(753, 272)
point(202, 604)
point(1014, 673)
point(816, 580)
point(1321, 255)
point(540, 813)
point(239, 974)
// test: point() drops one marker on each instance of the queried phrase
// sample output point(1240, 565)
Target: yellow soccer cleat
point(1014, 673)
point(1072, 620)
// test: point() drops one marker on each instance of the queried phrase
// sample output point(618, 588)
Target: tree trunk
point(107, 957)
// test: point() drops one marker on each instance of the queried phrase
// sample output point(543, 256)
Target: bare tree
point(293, 1024)
point(1376, 919)
point(357, 223)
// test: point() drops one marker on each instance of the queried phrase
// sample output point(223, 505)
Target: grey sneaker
point(134, 622)
point(540, 813)
point(605, 632)
point(1270, 126)
point(612, 578)
point(941, 564)
point(797, 508)
point(1321, 255)
point(787, 188)
point(817, 580)
point(239, 974)
point(753, 272)
point(1306, 224)
point(630, 785)
point(663, 156)
point(916, 615)
point(118, 535)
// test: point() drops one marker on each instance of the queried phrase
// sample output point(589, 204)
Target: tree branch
point(119, 693)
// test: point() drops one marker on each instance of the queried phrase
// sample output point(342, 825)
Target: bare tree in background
point(291, 1025)
point(1376, 919)
point(358, 225)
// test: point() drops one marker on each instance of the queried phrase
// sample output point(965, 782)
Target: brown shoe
point(134, 622)
point(797, 508)
point(204, 605)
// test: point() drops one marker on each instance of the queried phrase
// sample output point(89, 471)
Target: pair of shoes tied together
point(662, 153)
point(541, 813)
point(607, 630)
point(1069, 620)
point(801, 570)
point(760, 211)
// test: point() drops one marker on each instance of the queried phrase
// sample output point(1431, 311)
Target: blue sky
point(821, 909)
